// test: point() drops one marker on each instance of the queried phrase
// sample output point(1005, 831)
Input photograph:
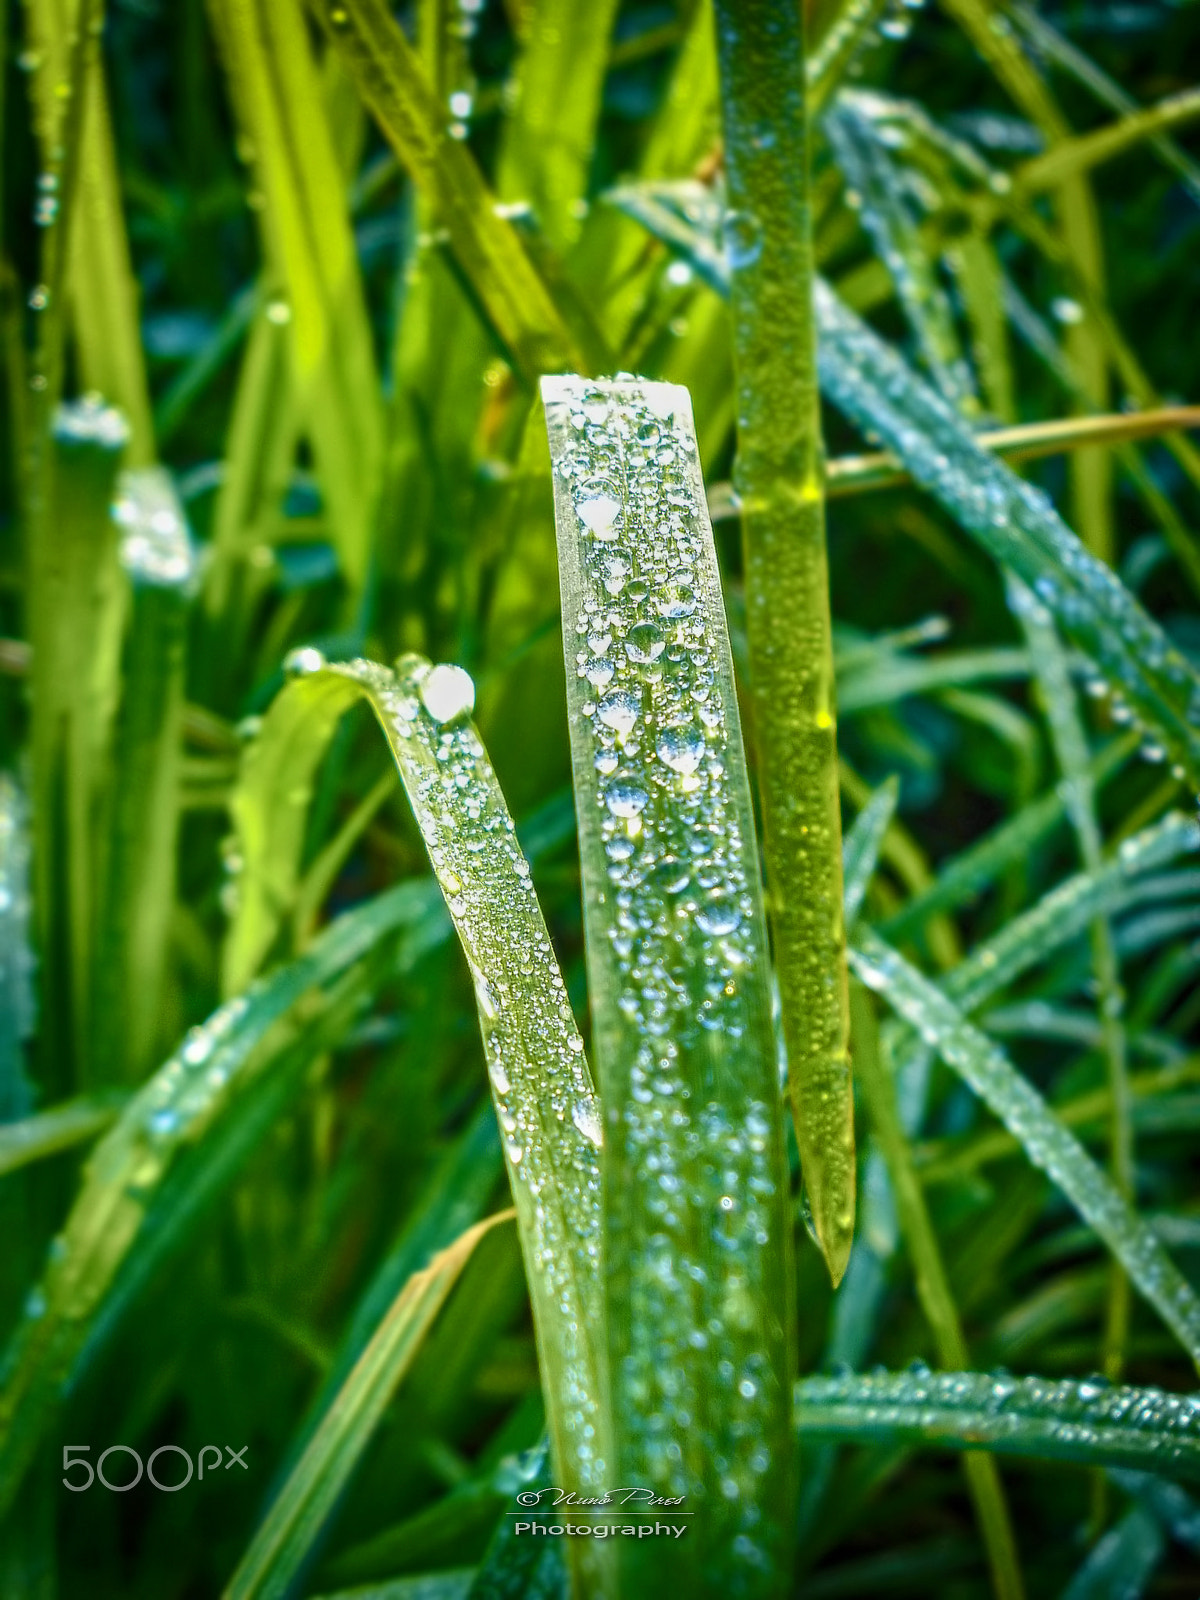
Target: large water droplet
point(619, 710)
point(644, 643)
point(599, 506)
point(625, 799)
point(448, 694)
point(681, 749)
point(718, 915)
point(742, 237)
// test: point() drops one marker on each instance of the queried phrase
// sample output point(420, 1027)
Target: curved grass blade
point(186, 1101)
point(778, 472)
point(1017, 525)
point(697, 1268)
point(1086, 1422)
point(1048, 1145)
point(277, 1552)
point(539, 1078)
point(139, 892)
point(388, 76)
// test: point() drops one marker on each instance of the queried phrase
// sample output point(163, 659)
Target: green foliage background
point(345, 397)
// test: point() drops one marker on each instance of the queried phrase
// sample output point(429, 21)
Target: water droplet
point(742, 237)
point(681, 749)
point(718, 915)
point(302, 663)
point(644, 643)
point(448, 694)
point(676, 599)
point(599, 506)
point(625, 799)
point(619, 710)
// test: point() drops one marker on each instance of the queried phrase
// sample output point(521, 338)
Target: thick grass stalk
point(933, 1286)
point(768, 234)
point(1049, 1419)
point(697, 1270)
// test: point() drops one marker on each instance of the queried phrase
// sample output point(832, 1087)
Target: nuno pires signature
point(554, 1497)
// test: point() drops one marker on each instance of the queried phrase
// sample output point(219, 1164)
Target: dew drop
point(599, 506)
point(302, 663)
point(718, 915)
point(625, 799)
point(681, 749)
point(448, 694)
point(619, 710)
point(644, 643)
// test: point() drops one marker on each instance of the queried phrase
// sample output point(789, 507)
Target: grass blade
point(187, 1099)
point(388, 76)
point(1123, 1562)
point(16, 958)
point(139, 893)
point(539, 1079)
point(863, 844)
point(75, 604)
point(695, 1181)
point(933, 1287)
point(1048, 1145)
point(311, 248)
point(548, 139)
point(1086, 1422)
point(768, 234)
point(277, 1553)
point(27, 1139)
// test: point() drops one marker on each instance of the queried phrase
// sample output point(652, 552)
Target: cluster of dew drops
point(682, 930)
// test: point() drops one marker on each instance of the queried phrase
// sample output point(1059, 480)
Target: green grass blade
point(278, 1550)
point(310, 245)
point(933, 1286)
point(1086, 1422)
point(1049, 1146)
point(139, 893)
point(1123, 1562)
point(696, 1237)
point(863, 843)
point(485, 245)
point(964, 877)
point(191, 1095)
point(551, 129)
point(16, 957)
point(103, 287)
point(768, 234)
point(75, 612)
point(539, 1079)
point(1074, 156)
point(889, 216)
point(24, 1140)
point(868, 381)
point(1017, 525)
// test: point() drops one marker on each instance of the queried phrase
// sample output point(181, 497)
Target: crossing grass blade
point(278, 1551)
point(778, 473)
point(695, 1231)
point(1091, 1423)
point(1150, 680)
point(989, 1073)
